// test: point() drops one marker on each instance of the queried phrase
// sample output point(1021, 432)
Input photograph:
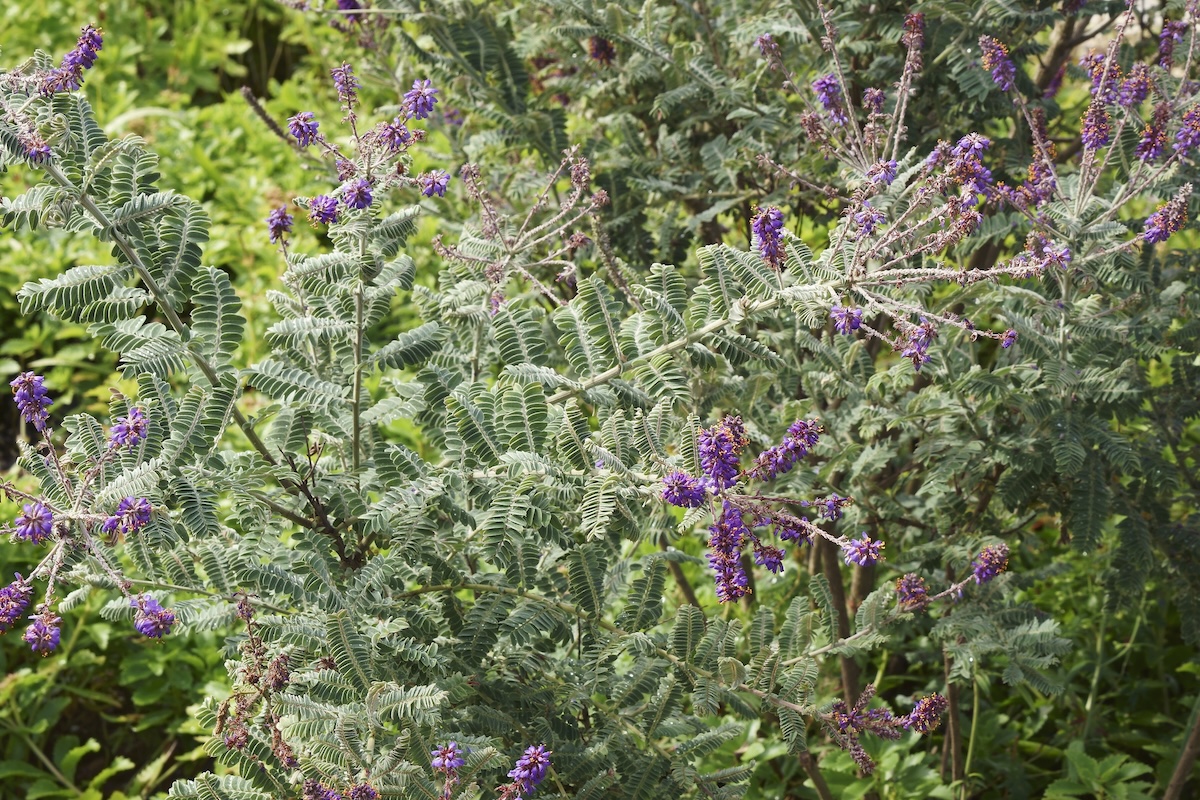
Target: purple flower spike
point(43, 633)
point(801, 437)
point(1188, 136)
point(14, 599)
point(151, 619)
point(725, 543)
point(1169, 218)
point(846, 320)
point(718, 448)
point(315, 790)
point(363, 791)
point(990, 562)
point(304, 127)
point(768, 46)
point(531, 768)
point(868, 218)
point(29, 392)
point(767, 227)
point(278, 223)
point(996, 60)
point(323, 210)
point(358, 194)
point(1097, 126)
point(434, 182)
point(769, 557)
point(1172, 32)
point(864, 551)
point(35, 523)
point(69, 75)
point(926, 714)
point(133, 514)
point(129, 431)
point(829, 92)
point(681, 489)
point(346, 84)
point(912, 592)
point(883, 172)
point(1010, 337)
point(873, 101)
point(918, 343)
point(420, 100)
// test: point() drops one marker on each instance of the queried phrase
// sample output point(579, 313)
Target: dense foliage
point(894, 319)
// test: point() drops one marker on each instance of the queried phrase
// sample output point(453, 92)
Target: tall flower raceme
point(847, 724)
point(528, 773)
point(66, 525)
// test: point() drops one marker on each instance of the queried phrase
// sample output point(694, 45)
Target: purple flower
point(912, 592)
point(1169, 218)
point(14, 599)
point(1188, 136)
point(1136, 87)
point(801, 437)
point(601, 50)
point(768, 46)
point(131, 430)
point(883, 172)
point(35, 523)
point(420, 100)
point(32, 399)
point(315, 790)
point(990, 562)
point(792, 529)
point(151, 619)
point(831, 507)
point(867, 218)
point(1154, 134)
point(395, 135)
point(448, 757)
point(435, 182)
point(133, 514)
point(1097, 126)
point(973, 144)
point(681, 489)
point(919, 340)
point(358, 194)
point(43, 633)
point(1172, 32)
point(926, 714)
point(1010, 337)
point(304, 127)
point(767, 227)
point(69, 74)
point(36, 149)
point(346, 84)
point(769, 557)
point(531, 767)
point(873, 102)
point(279, 222)
point(1106, 83)
point(718, 448)
point(363, 791)
point(829, 92)
point(995, 59)
point(864, 551)
point(725, 543)
point(323, 209)
point(846, 320)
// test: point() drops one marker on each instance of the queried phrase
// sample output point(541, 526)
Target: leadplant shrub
point(450, 549)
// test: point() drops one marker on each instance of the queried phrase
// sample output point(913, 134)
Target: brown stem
point(953, 724)
point(809, 763)
point(833, 572)
point(681, 580)
point(1187, 759)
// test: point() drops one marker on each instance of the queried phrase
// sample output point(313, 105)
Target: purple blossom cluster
point(882, 172)
point(1187, 138)
point(133, 514)
point(867, 218)
point(1136, 87)
point(1153, 141)
point(151, 619)
point(719, 448)
point(29, 392)
point(1097, 126)
point(847, 724)
point(279, 223)
point(1105, 75)
point(681, 489)
point(130, 430)
point(990, 562)
point(767, 227)
point(829, 93)
point(14, 599)
point(530, 770)
point(447, 760)
point(919, 339)
point(912, 592)
point(863, 551)
point(346, 84)
point(44, 631)
point(304, 127)
point(35, 523)
point(1172, 33)
point(846, 320)
point(728, 536)
point(68, 76)
point(1169, 218)
point(801, 437)
point(435, 182)
point(420, 99)
point(996, 60)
